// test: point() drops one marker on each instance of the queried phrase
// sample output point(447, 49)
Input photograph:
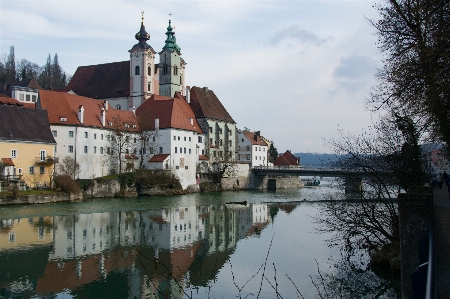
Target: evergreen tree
point(10, 66)
point(273, 152)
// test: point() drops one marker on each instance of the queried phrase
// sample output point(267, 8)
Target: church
point(127, 84)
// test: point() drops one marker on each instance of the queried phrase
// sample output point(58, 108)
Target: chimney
point(205, 89)
point(188, 96)
point(81, 114)
point(106, 105)
point(255, 137)
point(103, 116)
point(156, 122)
point(258, 133)
point(133, 109)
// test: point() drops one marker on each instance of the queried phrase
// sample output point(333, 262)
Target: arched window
point(136, 70)
point(149, 70)
point(175, 70)
point(118, 107)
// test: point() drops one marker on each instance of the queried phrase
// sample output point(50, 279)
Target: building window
point(229, 131)
point(184, 138)
point(101, 136)
point(13, 153)
point(174, 137)
point(210, 130)
point(148, 86)
point(42, 155)
point(21, 97)
point(31, 170)
point(200, 139)
point(12, 237)
point(70, 149)
point(28, 97)
point(186, 167)
point(175, 149)
point(55, 133)
point(85, 149)
point(189, 151)
point(149, 72)
point(161, 150)
point(33, 99)
point(95, 135)
point(71, 134)
point(210, 141)
point(117, 108)
point(20, 171)
point(230, 142)
point(175, 70)
point(101, 150)
point(136, 70)
point(85, 134)
point(95, 149)
point(185, 150)
point(178, 138)
point(41, 169)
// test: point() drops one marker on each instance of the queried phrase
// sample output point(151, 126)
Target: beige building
point(26, 145)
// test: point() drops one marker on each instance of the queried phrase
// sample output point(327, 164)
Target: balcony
point(47, 160)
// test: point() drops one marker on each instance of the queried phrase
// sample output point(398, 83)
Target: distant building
point(253, 149)
point(26, 144)
point(25, 91)
point(287, 159)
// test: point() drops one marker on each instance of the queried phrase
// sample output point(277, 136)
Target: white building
point(253, 149)
point(181, 141)
point(85, 130)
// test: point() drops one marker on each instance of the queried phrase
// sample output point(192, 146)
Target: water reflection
point(128, 254)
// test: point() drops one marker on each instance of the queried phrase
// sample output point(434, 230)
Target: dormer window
point(110, 124)
point(63, 119)
point(126, 125)
point(134, 126)
point(136, 70)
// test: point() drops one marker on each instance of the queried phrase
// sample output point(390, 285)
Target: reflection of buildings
point(153, 251)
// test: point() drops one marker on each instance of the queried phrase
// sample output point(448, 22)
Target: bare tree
point(121, 142)
point(147, 134)
point(415, 40)
point(70, 167)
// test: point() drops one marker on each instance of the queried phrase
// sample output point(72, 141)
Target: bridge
point(302, 171)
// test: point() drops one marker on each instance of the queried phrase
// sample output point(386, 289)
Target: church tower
point(143, 80)
point(171, 66)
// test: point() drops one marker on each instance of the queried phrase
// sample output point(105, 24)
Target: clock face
point(137, 54)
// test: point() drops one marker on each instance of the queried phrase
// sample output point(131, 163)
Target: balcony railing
point(10, 177)
point(46, 160)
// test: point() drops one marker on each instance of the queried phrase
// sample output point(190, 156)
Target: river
point(205, 245)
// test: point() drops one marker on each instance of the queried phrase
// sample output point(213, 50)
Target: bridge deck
point(301, 171)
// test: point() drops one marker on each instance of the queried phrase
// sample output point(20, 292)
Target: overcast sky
point(295, 70)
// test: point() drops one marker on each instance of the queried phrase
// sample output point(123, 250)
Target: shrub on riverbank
point(162, 179)
point(67, 184)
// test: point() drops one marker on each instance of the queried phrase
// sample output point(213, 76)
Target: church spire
point(171, 41)
point(142, 36)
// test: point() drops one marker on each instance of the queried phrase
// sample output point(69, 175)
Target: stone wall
point(102, 188)
point(276, 182)
point(33, 199)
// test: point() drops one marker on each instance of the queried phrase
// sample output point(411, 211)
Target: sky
point(297, 71)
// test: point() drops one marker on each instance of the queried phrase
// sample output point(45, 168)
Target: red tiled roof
point(63, 105)
point(205, 104)
point(5, 100)
point(7, 161)
point(102, 81)
point(287, 159)
point(171, 112)
point(159, 158)
point(203, 157)
point(251, 136)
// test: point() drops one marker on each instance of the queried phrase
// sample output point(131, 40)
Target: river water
point(205, 245)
